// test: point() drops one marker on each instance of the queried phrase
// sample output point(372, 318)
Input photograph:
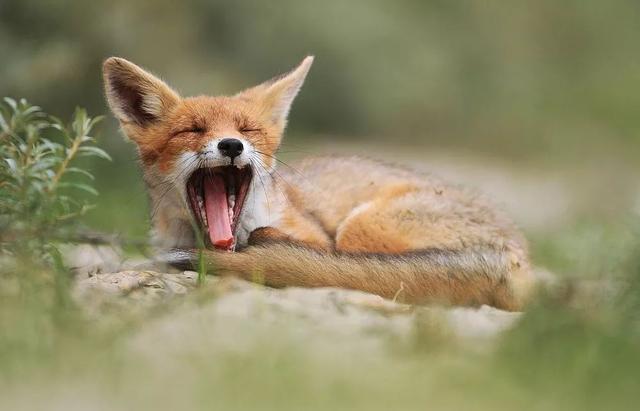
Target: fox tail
point(459, 277)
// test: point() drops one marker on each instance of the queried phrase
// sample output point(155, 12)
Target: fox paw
point(266, 235)
point(180, 258)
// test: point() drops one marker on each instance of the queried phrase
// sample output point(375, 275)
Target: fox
point(218, 197)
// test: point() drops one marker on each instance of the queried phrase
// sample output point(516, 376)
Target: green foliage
point(40, 180)
point(43, 188)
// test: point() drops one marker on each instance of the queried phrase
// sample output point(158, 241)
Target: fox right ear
point(274, 97)
point(134, 95)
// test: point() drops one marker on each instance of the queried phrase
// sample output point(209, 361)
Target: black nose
point(230, 147)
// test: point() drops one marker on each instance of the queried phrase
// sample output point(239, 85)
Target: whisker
point(281, 162)
point(297, 172)
point(179, 164)
point(287, 146)
point(273, 178)
point(266, 195)
point(172, 185)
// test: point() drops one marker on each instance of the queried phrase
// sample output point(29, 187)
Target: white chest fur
point(262, 208)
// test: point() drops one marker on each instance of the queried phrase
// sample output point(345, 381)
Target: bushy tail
point(467, 277)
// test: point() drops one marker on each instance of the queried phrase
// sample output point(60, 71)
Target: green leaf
point(12, 103)
point(3, 123)
point(36, 196)
point(45, 164)
point(80, 171)
point(84, 187)
point(95, 121)
point(93, 151)
point(12, 164)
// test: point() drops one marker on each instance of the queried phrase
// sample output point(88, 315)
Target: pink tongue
point(217, 209)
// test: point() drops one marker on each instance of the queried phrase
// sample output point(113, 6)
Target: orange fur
point(345, 222)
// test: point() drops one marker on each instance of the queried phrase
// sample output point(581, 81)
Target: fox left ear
point(134, 95)
point(275, 96)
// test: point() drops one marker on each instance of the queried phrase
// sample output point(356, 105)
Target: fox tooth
point(232, 201)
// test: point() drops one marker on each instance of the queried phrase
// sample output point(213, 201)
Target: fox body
point(210, 167)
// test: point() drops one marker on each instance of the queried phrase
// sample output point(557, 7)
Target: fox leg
point(294, 227)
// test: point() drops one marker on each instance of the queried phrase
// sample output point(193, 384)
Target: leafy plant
point(40, 179)
point(44, 188)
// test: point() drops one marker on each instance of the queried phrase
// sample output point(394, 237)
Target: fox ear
point(276, 95)
point(134, 95)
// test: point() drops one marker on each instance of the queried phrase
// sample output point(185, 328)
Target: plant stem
point(65, 163)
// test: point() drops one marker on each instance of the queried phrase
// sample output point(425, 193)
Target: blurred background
point(535, 102)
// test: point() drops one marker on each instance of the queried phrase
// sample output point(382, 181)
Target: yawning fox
point(210, 167)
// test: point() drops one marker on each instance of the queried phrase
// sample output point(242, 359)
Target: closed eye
point(250, 130)
point(193, 129)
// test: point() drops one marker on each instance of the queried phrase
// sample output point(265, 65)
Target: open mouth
point(216, 196)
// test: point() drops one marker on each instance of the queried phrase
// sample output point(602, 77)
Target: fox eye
point(194, 129)
point(250, 130)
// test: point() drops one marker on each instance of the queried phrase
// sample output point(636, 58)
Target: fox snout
point(226, 150)
point(230, 147)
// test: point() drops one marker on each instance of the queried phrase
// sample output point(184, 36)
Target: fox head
point(202, 154)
